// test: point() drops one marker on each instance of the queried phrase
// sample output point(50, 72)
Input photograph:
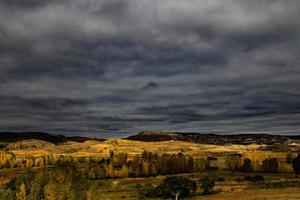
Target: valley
point(121, 168)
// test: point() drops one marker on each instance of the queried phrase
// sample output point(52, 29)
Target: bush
point(248, 178)
point(138, 186)
point(256, 178)
point(238, 180)
point(289, 158)
point(220, 179)
point(207, 185)
point(270, 165)
point(212, 158)
point(296, 164)
point(247, 166)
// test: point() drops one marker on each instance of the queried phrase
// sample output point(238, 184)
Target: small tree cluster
point(256, 178)
point(270, 165)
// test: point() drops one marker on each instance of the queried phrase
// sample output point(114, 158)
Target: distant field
point(127, 188)
point(93, 148)
point(260, 194)
point(98, 148)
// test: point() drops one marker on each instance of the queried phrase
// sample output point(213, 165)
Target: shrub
point(256, 178)
point(238, 180)
point(289, 158)
point(212, 158)
point(138, 186)
point(220, 179)
point(270, 165)
point(296, 164)
point(247, 166)
point(207, 185)
point(248, 178)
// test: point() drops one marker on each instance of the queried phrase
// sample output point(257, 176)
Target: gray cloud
point(111, 68)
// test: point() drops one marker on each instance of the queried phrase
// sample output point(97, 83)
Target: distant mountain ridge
point(155, 136)
point(55, 139)
point(18, 136)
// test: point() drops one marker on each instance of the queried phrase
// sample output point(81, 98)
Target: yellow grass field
point(94, 148)
point(267, 194)
point(37, 147)
point(125, 188)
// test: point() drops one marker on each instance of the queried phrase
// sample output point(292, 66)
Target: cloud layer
point(112, 68)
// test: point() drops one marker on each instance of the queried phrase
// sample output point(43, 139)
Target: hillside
point(157, 136)
point(19, 136)
point(7, 137)
point(206, 153)
point(152, 136)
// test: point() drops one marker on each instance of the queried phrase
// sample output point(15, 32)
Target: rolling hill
point(155, 136)
point(7, 137)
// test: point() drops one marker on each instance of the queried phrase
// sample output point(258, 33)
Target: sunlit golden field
point(93, 148)
point(97, 148)
point(216, 156)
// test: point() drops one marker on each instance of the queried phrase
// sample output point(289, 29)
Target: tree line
point(146, 164)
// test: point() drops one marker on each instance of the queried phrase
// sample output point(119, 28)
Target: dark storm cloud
point(112, 68)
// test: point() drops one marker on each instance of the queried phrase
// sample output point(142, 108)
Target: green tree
point(173, 187)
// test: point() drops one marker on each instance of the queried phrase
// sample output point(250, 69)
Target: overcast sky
point(111, 68)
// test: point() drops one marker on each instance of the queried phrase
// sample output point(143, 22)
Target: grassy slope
point(99, 148)
point(132, 148)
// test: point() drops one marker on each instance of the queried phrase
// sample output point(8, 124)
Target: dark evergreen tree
point(247, 166)
point(296, 164)
point(270, 165)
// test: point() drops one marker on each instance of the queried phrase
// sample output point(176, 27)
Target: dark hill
point(153, 136)
point(55, 139)
point(83, 139)
point(18, 136)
